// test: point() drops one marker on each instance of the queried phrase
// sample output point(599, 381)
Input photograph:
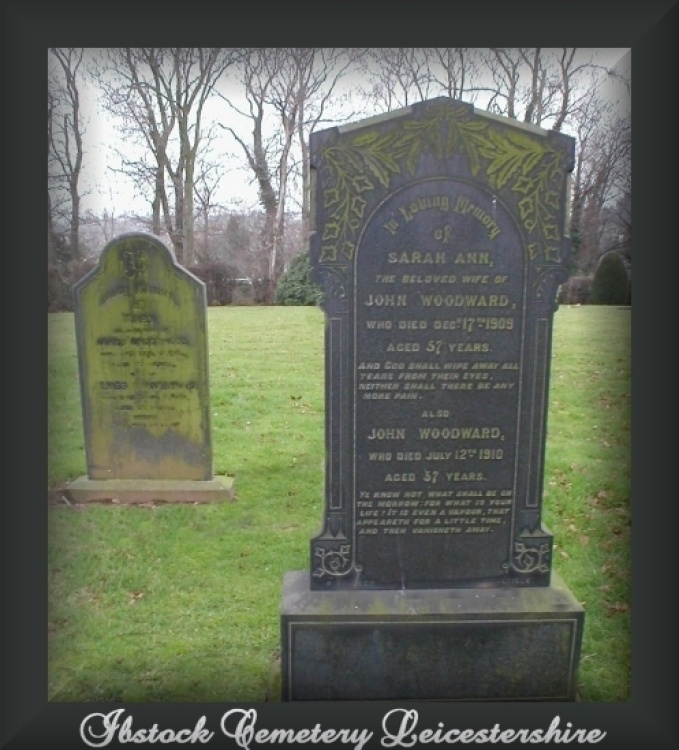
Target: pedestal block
point(429, 644)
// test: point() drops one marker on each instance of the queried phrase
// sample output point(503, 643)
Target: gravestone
point(440, 243)
point(141, 332)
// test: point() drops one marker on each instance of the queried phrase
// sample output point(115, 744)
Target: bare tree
point(585, 127)
point(256, 74)
point(159, 96)
point(199, 70)
point(397, 77)
point(284, 94)
point(603, 182)
point(540, 86)
point(454, 71)
point(278, 83)
point(51, 249)
point(208, 176)
point(65, 141)
point(504, 68)
point(240, 246)
point(138, 86)
point(320, 73)
point(402, 76)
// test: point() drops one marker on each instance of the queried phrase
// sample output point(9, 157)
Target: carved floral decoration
point(353, 167)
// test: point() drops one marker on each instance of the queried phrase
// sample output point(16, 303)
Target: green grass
point(587, 501)
point(181, 603)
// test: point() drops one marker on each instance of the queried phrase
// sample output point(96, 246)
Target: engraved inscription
point(446, 229)
point(437, 373)
point(143, 357)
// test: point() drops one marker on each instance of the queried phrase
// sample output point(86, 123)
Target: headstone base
point(518, 644)
point(138, 491)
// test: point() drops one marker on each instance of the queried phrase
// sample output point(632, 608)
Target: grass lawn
point(181, 603)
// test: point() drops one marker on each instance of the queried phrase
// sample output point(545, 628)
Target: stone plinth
point(494, 644)
point(138, 491)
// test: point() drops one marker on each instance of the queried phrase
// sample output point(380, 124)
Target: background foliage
point(223, 117)
point(295, 286)
point(610, 285)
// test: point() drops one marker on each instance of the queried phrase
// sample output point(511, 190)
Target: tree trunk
point(187, 213)
point(75, 225)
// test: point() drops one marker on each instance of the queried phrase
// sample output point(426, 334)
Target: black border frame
point(29, 28)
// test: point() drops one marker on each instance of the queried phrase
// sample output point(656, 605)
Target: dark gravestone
point(440, 246)
point(141, 331)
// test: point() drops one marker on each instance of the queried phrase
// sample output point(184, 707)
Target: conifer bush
point(610, 285)
point(219, 280)
point(295, 286)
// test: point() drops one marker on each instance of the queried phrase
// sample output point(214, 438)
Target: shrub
point(219, 281)
point(576, 291)
point(610, 285)
point(295, 286)
point(61, 276)
point(260, 291)
point(58, 291)
point(243, 293)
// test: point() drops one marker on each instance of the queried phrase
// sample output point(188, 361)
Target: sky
point(104, 191)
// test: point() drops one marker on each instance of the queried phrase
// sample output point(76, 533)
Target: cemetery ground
point(180, 602)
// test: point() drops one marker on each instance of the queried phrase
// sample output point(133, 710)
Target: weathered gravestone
point(440, 243)
point(143, 359)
